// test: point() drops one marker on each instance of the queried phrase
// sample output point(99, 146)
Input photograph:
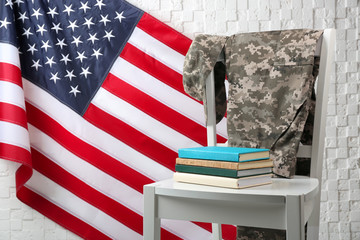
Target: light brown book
point(227, 165)
point(244, 182)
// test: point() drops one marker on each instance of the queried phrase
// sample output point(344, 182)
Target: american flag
point(92, 106)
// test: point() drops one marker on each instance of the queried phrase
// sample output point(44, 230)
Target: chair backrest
point(316, 151)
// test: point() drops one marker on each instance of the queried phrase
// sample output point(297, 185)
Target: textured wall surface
point(340, 197)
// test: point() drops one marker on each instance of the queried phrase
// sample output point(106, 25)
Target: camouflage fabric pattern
point(270, 83)
point(270, 78)
point(251, 233)
point(199, 61)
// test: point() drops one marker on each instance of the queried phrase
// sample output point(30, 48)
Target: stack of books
point(230, 167)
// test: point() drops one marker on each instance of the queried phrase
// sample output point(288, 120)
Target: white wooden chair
point(285, 204)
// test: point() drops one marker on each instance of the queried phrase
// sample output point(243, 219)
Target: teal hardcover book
point(231, 154)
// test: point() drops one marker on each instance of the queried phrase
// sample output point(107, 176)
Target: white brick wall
point(340, 196)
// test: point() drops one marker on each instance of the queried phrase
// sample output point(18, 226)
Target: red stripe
point(153, 67)
point(15, 153)
point(10, 73)
point(13, 114)
point(109, 206)
point(166, 75)
point(59, 215)
point(131, 137)
point(86, 151)
point(164, 33)
point(156, 109)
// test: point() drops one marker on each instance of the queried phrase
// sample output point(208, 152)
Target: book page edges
point(221, 181)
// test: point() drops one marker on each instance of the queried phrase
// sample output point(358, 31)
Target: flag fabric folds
point(92, 106)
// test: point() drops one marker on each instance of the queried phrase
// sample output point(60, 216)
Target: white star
point(68, 9)
point(50, 61)
point(52, 12)
point(18, 2)
point(81, 56)
point(54, 77)
point(36, 64)
point(61, 43)
point(23, 17)
point(41, 29)
point(92, 38)
point(108, 35)
point(56, 27)
point(85, 72)
point(70, 75)
point(76, 40)
point(104, 19)
point(99, 3)
point(36, 13)
point(65, 59)
point(45, 45)
point(96, 53)
point(32, 49)
point(4, 23)
point(119, 16)
point(9, 3)
point(74, 90)
point(84, 6)
point(88, 22)
point(27, 32)
point(72, 25)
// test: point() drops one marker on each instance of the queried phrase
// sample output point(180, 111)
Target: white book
point(227, 182)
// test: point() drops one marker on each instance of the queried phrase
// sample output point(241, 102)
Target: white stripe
point(104, 183)
point(14, 134)
point(12, 93)
point(157, 50)
point(162, 92)
point(79, 208)
point(9, 54)
point(94, 136)
point(141, 121)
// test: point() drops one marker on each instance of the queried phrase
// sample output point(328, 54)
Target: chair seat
point(280, 187)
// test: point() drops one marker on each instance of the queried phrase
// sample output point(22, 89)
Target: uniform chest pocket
point(294, 59)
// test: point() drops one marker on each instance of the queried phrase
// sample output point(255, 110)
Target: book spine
point(207, 170)
point(206, 180)
point(207, 163)
point(207, 155)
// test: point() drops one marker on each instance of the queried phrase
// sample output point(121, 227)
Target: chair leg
point(314, 220)
point(216, 231)
point(151, 222)
point(295, 225)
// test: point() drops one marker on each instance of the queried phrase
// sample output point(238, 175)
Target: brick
point(354, 205)
point(242, 4)
point(354, 194)
point(343, 175)
point(4, 225)
point(16, 225)
point(4, 214)
point(343, 184)
point(5, 235)
point(220, 4)
point(188, 16)
point(231, 15)
point(230, 4)
point(355, 226)
point(4, 192)
point(344, 195)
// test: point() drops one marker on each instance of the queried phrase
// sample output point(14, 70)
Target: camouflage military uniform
point(271, 77)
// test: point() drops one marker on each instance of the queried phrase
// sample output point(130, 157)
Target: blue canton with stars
point(68, 47)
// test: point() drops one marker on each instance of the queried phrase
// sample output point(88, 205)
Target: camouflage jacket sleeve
point(200, 60)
